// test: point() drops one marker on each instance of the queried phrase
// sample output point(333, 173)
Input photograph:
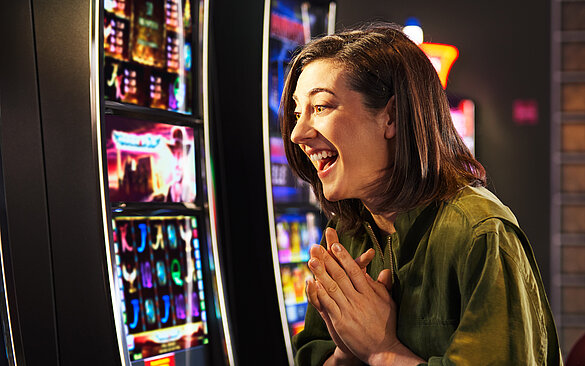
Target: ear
point(390, 114)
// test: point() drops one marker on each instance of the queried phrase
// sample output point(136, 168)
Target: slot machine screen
point(148, 53)
point(159, 275)
point(150, 161)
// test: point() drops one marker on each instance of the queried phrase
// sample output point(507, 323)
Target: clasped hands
point(358, 310)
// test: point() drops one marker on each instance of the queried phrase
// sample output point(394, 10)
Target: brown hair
point(430, 160)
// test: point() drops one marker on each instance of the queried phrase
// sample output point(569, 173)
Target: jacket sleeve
point(505, 315)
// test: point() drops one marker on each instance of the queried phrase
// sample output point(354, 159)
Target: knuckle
point(338, 276)
point(332, 288)
point(354, 271)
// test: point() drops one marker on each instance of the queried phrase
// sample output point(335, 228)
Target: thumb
point(385, 278)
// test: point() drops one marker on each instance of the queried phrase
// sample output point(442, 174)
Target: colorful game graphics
point(294, 277)
point(294, 235)
point(119, 7)
point(148, 53)
point(149, 161)
point(161, 286)
point(286, 187)
point(286, 35)
point(116, 36)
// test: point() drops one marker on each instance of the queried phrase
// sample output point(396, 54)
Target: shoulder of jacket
point(478, 205)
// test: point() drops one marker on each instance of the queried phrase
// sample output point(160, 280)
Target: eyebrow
point(316, 91)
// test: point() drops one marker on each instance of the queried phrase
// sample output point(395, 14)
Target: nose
point(303, 131)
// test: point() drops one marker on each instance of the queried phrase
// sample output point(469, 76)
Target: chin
point(332, 196)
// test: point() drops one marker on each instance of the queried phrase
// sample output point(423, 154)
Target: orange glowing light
point(442, 57)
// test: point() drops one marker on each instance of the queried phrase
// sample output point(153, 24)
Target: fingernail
point(318, 247)
point(313, 263)
point(336, 247)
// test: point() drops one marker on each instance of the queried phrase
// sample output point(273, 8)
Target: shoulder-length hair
point(430, 161)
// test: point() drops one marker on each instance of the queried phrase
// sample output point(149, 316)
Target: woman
point(420, 264)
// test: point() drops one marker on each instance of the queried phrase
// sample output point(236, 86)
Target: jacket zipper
point(391, 258)
point(373, 236)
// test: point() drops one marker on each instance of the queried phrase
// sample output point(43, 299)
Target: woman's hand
point(359, 312)
point(342, 354)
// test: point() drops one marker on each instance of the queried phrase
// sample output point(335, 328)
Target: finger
point(331, 276)
point(316, 251)
point(328, 305)
point(311, 291)
point(331, 237)
point(385, 279)
point(353, 271)
point(365, 259)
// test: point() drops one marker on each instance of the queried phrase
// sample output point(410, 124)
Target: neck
point(384, 221)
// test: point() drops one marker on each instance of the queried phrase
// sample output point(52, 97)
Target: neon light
point(136, 309)
point(180, 306)
point(159, 239)
point(161, 273)
point(186, 235)
point(442, 57)
point(414, 32)
point(125, 246)
point(172, 236)
point(176, 272)
point(164, 361)
point(167, 301)
point(133, 142)
point(195, 302)
point(130, 277)
point(143, 234)
point(150, 313)
point(146, 270)
point(167, 335)
point(188, 57)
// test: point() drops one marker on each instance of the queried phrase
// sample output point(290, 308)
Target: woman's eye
point(319, 108)
point(297, 115)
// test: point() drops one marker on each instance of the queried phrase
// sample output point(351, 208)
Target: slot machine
point(110, 248)
point(257, 193)
point(295, 218)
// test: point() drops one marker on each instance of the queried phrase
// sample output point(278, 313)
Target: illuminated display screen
point(292, 23)
point(286, 187)
point(159, 275)
point(287, 33)
point(148, 53)
point(149, 161)
point(295, 233)
point(293, 277)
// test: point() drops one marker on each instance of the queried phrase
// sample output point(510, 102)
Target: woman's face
point(347, 142)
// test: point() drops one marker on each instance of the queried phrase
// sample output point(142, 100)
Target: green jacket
point(466, 284)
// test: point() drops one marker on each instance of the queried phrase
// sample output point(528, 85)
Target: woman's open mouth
point(323, 159)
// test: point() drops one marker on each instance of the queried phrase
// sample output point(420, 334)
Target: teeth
point(322, 155)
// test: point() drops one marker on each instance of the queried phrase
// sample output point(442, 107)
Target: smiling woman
point(420, 264)
point(428, 162)
point(346, 141)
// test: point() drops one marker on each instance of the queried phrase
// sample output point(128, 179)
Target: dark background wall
point(504, 55)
